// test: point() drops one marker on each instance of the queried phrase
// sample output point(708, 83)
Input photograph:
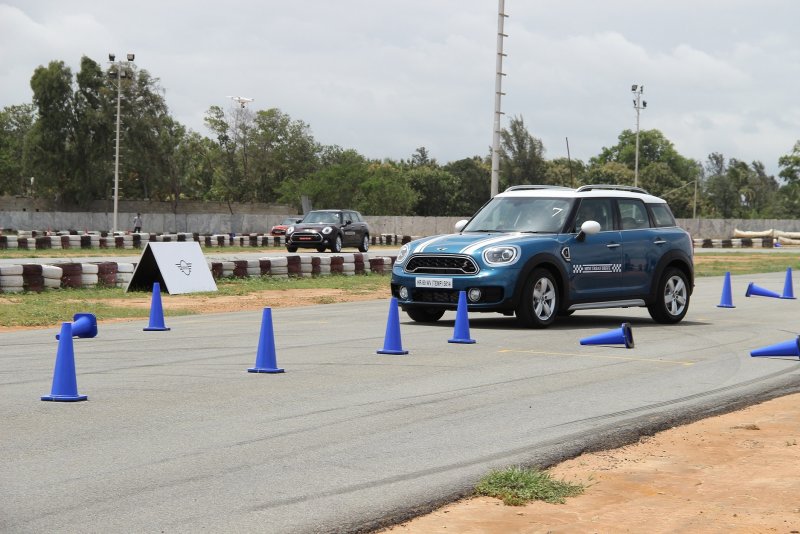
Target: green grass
point(54, 306)
point(59, 305)
point(517, 486)
point(711, 264)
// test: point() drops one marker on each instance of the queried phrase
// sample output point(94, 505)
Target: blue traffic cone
point(461, 332)
point(391, 341)
point(753, 289)
point(156, 313)
point(620, 336)
point(265, 357)
point(65, 384)
point(83, 325)
point(727, 300)
point(786, 348)
point(788, 292)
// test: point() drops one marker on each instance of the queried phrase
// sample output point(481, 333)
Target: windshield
point(330, 217)
point(518, 214)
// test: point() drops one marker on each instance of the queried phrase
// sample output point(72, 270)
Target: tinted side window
point(595, 209)
point(662, 216)
point(633, 214)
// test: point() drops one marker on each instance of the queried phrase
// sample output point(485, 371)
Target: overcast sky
point(387, 76)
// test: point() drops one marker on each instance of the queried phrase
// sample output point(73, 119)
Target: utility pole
point(498, 92)
point(638, 105)
point(119, 71)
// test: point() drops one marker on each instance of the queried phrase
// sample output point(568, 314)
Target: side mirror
point(461, 224)
point(347, 221)
point(588, 228)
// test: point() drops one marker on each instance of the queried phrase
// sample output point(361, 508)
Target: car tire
point(336, 246)
point(364, 244)
point(538, 307)
point(320, 249)
point(425, 315)
point(672, 297)
point(291, 248)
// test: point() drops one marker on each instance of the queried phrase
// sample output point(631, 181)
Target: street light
point(638, 105)
point(119, 70)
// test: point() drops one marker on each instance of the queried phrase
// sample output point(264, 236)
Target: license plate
point(439, 283)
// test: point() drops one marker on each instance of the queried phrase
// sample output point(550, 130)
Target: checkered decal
point(597, 268)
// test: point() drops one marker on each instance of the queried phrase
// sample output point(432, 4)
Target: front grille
point(443, 264)
point(306, 237)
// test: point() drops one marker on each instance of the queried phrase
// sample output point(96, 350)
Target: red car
point(280, 229)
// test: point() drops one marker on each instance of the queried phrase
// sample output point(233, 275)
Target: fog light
point(474, 294)
point(403, 293)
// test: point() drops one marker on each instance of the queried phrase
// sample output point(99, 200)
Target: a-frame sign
point(178, 267)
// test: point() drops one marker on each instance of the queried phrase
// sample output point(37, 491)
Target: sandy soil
point(739, 472)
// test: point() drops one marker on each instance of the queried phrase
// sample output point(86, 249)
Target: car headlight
point(403, 253)
point(327, 230)
point(290, 230)
point(502, 255)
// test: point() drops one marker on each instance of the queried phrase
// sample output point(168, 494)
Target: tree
point(435, 190)
point(521, 156)
point(790, 165)
point(565, 172)
point(15, 123)
point(47, 148)
point(472, 182)
point(282, 150)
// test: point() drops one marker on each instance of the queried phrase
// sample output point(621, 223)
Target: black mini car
point(329, 229)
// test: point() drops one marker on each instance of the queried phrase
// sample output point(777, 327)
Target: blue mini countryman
point(543, 251)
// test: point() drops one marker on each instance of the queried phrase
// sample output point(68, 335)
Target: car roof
point(589, 191)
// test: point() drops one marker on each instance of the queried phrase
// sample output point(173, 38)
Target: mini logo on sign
point(185, 267)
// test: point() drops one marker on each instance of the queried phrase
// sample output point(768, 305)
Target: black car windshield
point(521, 214)
point(328, 217)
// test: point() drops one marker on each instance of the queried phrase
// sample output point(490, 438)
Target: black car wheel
point(672, 297)
point(291, 248)
point(425, 315)
point(336, 247)
point(364, 244)
point(538, 307)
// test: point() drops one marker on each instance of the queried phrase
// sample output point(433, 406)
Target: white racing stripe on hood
point(421, 247)
point(487, 242)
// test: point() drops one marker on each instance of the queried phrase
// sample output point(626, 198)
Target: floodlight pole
point(638, 105)
point(498, 83)
point(120, 74)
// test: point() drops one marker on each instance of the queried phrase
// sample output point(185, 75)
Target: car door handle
point(659, 242)
point(612, 245)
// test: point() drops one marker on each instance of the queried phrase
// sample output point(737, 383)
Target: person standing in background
point(137, 223)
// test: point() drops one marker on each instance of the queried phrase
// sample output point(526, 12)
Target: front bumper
point(497, 289)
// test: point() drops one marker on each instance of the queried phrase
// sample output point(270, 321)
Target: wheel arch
point(679, 261)
point(550, 263)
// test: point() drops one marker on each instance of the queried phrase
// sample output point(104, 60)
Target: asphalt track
point(177, 436)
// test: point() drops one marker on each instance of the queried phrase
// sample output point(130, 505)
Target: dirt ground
point(738, 472)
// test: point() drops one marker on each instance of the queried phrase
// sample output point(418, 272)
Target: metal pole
point(495, 184)
point(694, 209)
point(569, 163)
point(636, 166)
point(116, 148)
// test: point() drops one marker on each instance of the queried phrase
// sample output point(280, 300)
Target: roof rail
point(524, 187)
point(630, 188)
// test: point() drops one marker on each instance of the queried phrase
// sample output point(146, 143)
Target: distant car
point(280, 229)
point(329, 229)
point(539, 252)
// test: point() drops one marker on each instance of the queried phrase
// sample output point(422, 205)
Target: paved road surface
point(177, 437)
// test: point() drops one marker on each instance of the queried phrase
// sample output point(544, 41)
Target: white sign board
point(178, 267)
